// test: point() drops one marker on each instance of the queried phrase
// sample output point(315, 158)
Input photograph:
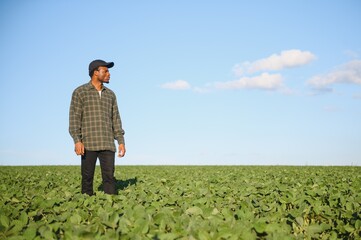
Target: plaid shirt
point(95, 120)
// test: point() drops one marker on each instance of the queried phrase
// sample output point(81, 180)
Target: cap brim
point(110, 65)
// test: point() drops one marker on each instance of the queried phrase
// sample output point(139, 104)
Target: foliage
point(183, 202)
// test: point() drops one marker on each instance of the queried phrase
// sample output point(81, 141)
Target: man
point(94, 123)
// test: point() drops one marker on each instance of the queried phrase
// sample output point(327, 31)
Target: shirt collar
point(90, 86)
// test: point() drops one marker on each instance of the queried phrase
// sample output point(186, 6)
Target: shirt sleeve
point(75, 116)
point(117, 124)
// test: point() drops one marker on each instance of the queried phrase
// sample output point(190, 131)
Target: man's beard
point(105, 81)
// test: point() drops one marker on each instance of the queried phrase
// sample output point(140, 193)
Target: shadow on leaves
point(121, 184)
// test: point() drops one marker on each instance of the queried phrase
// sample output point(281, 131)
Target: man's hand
point(121, 150)
point(79, 148)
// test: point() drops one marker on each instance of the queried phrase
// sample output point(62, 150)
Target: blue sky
point(197, 82)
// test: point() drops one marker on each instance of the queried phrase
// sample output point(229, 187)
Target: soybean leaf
point(194, 211)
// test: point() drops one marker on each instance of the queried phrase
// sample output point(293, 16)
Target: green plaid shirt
point(94, 119)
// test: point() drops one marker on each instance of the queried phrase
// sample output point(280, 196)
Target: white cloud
point(347, 73)
point(331, 109)
point(286, 59)
point(177, 85)
point(264, 81)
point(320, 91)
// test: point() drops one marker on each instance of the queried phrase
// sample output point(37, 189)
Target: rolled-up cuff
point(76, 140)
point(120, 140)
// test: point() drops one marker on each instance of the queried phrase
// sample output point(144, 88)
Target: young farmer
point(94, 123)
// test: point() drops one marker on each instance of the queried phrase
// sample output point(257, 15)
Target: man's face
point(103, 74)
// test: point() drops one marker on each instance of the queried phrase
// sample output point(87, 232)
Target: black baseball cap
point(99, 63)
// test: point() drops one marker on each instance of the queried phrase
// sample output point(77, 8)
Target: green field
point(183, 202)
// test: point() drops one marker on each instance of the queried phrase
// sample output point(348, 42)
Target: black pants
point(88, 162)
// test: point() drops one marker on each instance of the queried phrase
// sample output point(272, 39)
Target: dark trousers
point(88, 162)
